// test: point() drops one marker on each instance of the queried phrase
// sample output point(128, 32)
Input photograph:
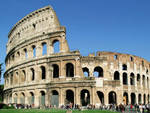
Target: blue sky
point(92, 25)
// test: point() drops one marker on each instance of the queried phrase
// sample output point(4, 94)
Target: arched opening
point(10, 98)
point(115, 57)
point(43, 72)
point(139, 99)
point(138, 78)
point(125, 98)
point(131, 59)
point(116, 75)
point(34, 50)
point(132, 82)
point(22, 98)
point(133, 98)
point(101, 97)
point(69, 97)
point(69, 70)
point(44, 48)
point(54, 98)
point(42, 98)
point(144, 99)
point(147, 83)
point(143, 81)
point(56, 46)
point(98, 72)
point(124, 67)
point(125, 79)
point(32, 74)
point(15, 98)
point(148, 98)
point(55, 71)
point(85, 97)
point(24, 76)
point(25, 53)
point(31, 98)
point(86, 71)
point(112, 98)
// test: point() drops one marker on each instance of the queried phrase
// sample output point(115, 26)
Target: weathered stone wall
point(33, 72)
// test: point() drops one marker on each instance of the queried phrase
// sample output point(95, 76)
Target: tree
point(1, 93)
point(1, 71)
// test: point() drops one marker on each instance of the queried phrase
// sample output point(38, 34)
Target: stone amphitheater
point(38, 75)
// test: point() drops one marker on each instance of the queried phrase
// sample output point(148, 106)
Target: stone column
point(77, 96)
point(39, 50)
point(92, 95)
point(36, 99)
point(62, 70)
point(61, 102)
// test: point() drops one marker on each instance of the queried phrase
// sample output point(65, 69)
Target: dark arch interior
point(98, 72)
point(55, 71)
point(86, 71)
point(125, 98)
point(85, 97)
point(43, 72)
point(112, 98)
point(101, 97)
point(125, 79)
point(133, 98)
point(69, 70)
point(116, 75)
point(69, 97)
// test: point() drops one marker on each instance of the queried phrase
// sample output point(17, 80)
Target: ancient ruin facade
point(37, 75)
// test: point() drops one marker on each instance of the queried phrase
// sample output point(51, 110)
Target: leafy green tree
point(1, 92)
point(1, 71)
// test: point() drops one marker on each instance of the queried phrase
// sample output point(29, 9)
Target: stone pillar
point(61, 102)
point(62, 70)
point(129, 98)
point(77, 96)
point(92, 95)
point(106, 100)
point(51, 49)
point(39, 50)
point(77, 67)
point(48, 47)
point(46, 99)
point(36, 99)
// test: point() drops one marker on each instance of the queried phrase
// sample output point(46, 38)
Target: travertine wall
point(35, 73)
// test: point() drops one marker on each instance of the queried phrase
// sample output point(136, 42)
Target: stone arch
point(125, 98)
point(85, 97)
point(69, 97)
point(124, 67)
point(133, 98)
point(147, 82)
point(98, 71)
point(148, 98)
point(69, 70)
point(112, 97)
point(15, 96)
point(32, 74)
point(54, 98)
point(25, 53)
point(101, 97)
point(44, 48)
point(125, 78)
point(143, 80)
point(56, 46)
point(116, 75)
point(144, 99)
point(139, 99)
point(55, 71)
point(31, 98)
point(34, 50)
point(132, 79)
point(138, 77)
point(23, 75)
point(22, 98)
point(42, 98)
point(86, 71)
point(43, 72)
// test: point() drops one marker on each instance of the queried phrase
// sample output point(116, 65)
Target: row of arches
point(33, 51)
point(97, 72)
point(139, 79)
point(84, 95)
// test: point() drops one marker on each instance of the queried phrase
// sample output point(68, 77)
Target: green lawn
point(49, 111)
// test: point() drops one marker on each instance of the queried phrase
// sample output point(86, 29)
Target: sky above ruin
point(92, 25)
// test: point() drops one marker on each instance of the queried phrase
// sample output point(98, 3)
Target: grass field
point(49, 111)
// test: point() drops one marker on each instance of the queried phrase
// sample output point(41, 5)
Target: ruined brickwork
point(37, 75)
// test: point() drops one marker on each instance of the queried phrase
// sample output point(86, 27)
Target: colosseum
point(38, 75)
